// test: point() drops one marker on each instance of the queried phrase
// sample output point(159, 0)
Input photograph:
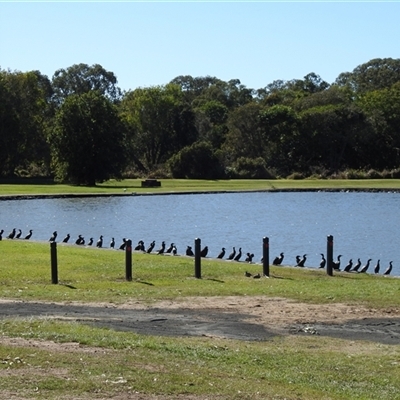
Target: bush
point(252, 168)
point(197, 161)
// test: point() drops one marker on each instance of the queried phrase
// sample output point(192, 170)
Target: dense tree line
point(80, 127)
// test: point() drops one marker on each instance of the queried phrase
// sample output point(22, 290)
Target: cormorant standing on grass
point(366, 266)
point(18, 235)
point(204, 252)
point(170, 248)
point(123, 244)
point(389, 269)
point(232, 255)
point(29, 235)
point(65, 240)
point(323, 261)
point(238, 255)
point(112, 243)
point(90, 242)
point(162, 248)
point(357, 266)
point(336, 264)
point(151, 247)
point(278, 260)
point(1, 234)
point(249, 257)
point(189, 251)
point(11, 235)
point(222, 254)
point(349, 266)
point(99, 243)
point(377, 267)
point(302, 261)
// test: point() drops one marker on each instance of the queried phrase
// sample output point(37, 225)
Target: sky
point(150, 43)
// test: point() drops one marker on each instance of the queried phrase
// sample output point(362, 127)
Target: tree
point(379, 73)
point(197, 161)
point(82, 78)
point(160, 123)
point(87, 140)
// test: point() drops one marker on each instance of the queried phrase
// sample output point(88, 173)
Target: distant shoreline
point(83, 195)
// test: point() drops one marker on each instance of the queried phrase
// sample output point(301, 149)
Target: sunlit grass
point(133, 186)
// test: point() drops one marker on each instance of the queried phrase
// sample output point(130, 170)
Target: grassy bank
point(104, 363)
point(130, 186)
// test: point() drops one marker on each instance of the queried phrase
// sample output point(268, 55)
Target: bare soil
point(241, 318)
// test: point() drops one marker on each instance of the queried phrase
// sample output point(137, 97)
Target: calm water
point(364, 225)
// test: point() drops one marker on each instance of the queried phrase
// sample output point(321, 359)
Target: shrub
point(252, 168)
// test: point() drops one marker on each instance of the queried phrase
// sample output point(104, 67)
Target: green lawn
point(106, 363)
point(130, 186)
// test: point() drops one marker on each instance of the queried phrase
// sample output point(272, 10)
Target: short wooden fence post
point(54, 266)
point(266, 256)
point(329, 255)
point(197, 258)
point(128, 260)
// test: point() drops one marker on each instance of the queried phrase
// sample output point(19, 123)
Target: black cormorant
point(323, 261)
point(336, 264)
point(11, 235)
point(258, 276)
point(140, 246)
point(189, 251)
point(29, 235)
point(377, 267)
point(366, 266)
point(248, 274)
point(112, 243)
point(238, 255)
point(162, 248)
point(99, 243)
point(123, 244)
point(278, 260)
point(389, 269)
point(65, 240)
point(349, 266)
point(1, 234)
point(232, 255)
point(298, 258)
point(302, 261)
point(174, 250)
point(204, 252)
point(90, 242)
point(79, 240)
point(222, 254)
point(53, 237)
point(170, 248)
point(151, 247)
point(357, 266)
point(249, 257)
point(18, 235)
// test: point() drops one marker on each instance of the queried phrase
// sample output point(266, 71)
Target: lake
point(364, 225)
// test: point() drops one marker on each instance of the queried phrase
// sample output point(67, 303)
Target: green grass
point(129, 186)
point(109, 363)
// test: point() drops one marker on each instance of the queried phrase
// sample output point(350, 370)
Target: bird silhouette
point(139, 246)
point(112, 243)
point(99, 243)
point(151, 247)
point(389, 269)
point(18, 235)
point(323, 261)
point(336, 264)
point(222, 253)
point(238, 255)
point(170, 248)
point(11, 235)
point(278, 260)
point(29, 235)
point(366, 266)
point(248, 274)
point(204, 252)
point(90, 242)
point(123, 244)
point(53, 237)
point(174, 250)
point(1, 234)
point(377, 267)
point(357, 266)
point(79, 240)
point(302, 261)
point(249, 257)
point(189, 251)
point(162, 248)
point(232, 255)
point(349, 266)
point(298, 258)
point(257, 276)
point(65, 240)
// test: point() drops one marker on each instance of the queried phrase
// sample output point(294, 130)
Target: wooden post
point(197, 258)
point(266, 256)
point(329, 255)
point(54, 267)
point(128, 260)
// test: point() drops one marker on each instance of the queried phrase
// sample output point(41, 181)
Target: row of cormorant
point(233, 255)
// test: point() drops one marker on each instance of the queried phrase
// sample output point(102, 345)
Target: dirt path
point(243, 318)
